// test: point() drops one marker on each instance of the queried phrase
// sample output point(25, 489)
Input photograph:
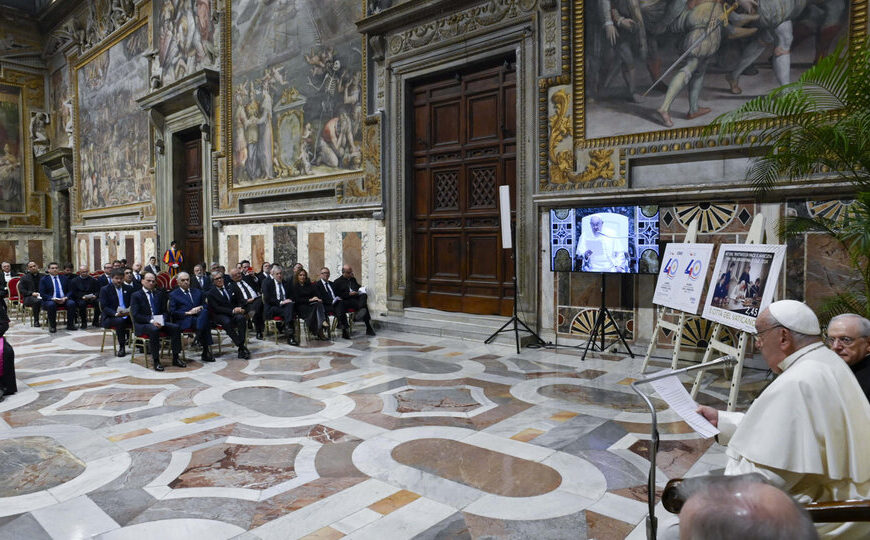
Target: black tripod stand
point(600, 322)
point(515, 320)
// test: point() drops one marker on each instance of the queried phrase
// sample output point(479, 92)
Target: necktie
point(121, 297)
point(151, 301)
point(200, 281)
point(137, 276)
point(244, 287)
point(189, 296)
point(280, 291)
point(329, 288)
point(58, 292)
point(226, 294)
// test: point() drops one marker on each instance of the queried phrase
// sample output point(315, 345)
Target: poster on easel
point(681, 279)
point(743, 284)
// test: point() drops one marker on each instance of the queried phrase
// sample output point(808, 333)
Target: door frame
point(401, 72)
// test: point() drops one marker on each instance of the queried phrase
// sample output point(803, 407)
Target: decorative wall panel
point(12, 150)
point(185, 37)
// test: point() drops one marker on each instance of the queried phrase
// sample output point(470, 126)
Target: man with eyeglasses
point(148, 308)
point(849, 337)
point(131, 281)
point(809, 431)
point(354, 297)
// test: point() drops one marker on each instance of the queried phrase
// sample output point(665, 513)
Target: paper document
point(157, 319)
point(677, 397)
point(362, 290)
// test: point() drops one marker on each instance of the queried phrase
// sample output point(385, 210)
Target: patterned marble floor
point(395, 436)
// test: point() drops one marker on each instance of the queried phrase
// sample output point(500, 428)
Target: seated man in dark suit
point(115, 303)
point(278, 302)
point(85, 293)
point(332, 302)
point(200, 279)
point(253, 301)
point(227, 310)
point(131, 281)
point(54, 289)
point(152, 266)
point(188, 309)
point(28, 290)
point(5, 276)
point(106, 277)
point(248, 274)
point(148, 307)
point(354, 296)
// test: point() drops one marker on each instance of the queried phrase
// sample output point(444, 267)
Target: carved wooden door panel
point(192, 204)
point(464, 148)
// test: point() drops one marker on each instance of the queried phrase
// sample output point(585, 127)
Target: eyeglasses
point(759, 334)
point(845, 340)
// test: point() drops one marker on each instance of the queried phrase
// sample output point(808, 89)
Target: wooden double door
point(463, 148)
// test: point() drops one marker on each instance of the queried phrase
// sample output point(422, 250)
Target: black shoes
point(72, 327)
point(369, 330)
point(176, 361)
point(291, 339)
point(121, 351)
point(244, 353)
point(52, 329)
point(36, 324)
point(157, 366)
point(345, 332)
point(206, 356)
point(260, 335)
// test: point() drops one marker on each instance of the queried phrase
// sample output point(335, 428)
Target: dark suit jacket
point(141, 309)
point(206, 282)
point(179, 303)
point(46, 286)
point(238, 288)
point(135, 285)
point(323, 293)
point(343, 286)
point(253, 281)
point(270, 297)
point(81, 286)
point(218, 303)
point(29, 284)
point(154, 269)
point(304, 293)
point(103, 280)
point(109, 300)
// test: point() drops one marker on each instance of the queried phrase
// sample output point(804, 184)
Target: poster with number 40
point(681, 279)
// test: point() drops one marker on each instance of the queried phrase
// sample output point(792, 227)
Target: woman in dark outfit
point(7, 369)
point(309, 305)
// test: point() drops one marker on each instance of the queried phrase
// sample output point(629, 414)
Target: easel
point(661, 323)
point(755, 236)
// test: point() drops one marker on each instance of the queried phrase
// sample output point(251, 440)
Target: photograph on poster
point(743, 284)
point(680, 283)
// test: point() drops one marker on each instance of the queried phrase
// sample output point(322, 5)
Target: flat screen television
point(609, 239)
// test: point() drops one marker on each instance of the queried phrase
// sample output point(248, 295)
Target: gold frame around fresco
point(233, 190)
point(857, 33)
point(76, 65)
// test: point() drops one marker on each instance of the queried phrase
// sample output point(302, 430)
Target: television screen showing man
point(601, 246)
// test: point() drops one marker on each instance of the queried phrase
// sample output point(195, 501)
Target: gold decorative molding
point(368, 187)
point(599, 169)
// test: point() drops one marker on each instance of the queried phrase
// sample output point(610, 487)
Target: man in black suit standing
point(354, 296)
point(188, 309)
point(148, 307)
point(278, 302)
point(28, 290)
point(200, 279)
point(253, 302)
point(331, 301)
point(55, 292)
point(226, 309)
point(85, 293)
point(115, 303)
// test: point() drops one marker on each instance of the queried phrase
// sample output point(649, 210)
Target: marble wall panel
point(286, 239)
point(130, 249)
point(351, 249)
point(316, 250)
point(98, 254)
point(83, 252)
point(7, 250)
point(258, 250)
point(35, 252)
point(232, 250)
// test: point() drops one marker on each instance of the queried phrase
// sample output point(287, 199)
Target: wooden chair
point(145, 342)
point(349, 314)
point(114, 331)
point(272, 326)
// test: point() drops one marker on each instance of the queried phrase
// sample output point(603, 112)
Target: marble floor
point(388, 437)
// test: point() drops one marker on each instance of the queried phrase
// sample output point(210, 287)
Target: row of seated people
point(247, 295)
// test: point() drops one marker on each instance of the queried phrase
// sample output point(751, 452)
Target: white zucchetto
point(796, 316)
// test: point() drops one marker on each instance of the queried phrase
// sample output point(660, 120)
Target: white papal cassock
point(808, 433)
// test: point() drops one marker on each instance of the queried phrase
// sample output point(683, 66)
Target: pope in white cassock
point(599, 251)
point(809, 431)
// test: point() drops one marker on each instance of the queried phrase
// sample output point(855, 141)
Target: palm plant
point(817, 126)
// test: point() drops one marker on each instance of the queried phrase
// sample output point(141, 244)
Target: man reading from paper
point(598, 250)
point(809, 431)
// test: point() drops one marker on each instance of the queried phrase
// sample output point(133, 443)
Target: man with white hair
point(809, 431)
point(849, 337)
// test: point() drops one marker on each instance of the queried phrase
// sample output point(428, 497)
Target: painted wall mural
point(11, 151)
point(184, 37)
point(109, 118)
point(667, 65)
point(61, 105)
point(297, 108)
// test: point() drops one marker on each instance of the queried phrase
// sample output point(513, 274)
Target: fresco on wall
point(60, 107)
point(297, 89)
point(109, 118)
point(184, 37)
point(11, 151)
point(628, 48)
